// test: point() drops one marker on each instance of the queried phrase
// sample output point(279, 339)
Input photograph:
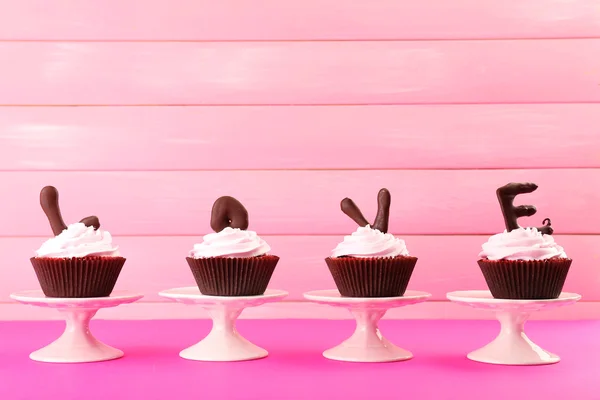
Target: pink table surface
point(295, 369)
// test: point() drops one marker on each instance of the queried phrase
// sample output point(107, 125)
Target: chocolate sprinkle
point(228, 212)
point(382, 219)
point(506, 195)
point(49, 203)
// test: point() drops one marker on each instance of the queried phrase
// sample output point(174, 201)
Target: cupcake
point(371, 262)
point(233, 261)
point(523, 263)
point(80, 260)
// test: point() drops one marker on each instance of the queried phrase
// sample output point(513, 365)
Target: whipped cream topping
point(521, 244)
point(368, 242)
point(79, 240)
point(230, 243)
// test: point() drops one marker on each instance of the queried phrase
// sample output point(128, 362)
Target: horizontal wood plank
point(388, 72)
point(305, 20)
point(14, 311)
point(300, 202)
point(446, 263)
point(255, 137)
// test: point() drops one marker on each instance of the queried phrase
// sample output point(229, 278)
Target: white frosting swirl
point(230, 243)
point(521, 244)
point(79, 240)
point(367, 242)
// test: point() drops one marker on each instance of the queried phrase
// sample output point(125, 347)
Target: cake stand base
point(511, 346)
point(366, 344)
point(224, 342)
point(77, 344)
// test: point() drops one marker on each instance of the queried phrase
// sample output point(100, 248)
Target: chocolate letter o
point(228, 212)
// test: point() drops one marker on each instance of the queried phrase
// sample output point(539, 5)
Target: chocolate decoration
point(506, 195)
point(228, 212)
point(351, 209)
point(91, 221)
point(49, 203)
point(384, 200)
point(382, 219)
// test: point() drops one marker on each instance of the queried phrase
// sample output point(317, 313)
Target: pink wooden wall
point(144, 112)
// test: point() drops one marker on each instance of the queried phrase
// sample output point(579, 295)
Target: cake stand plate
point(223, 343)
point(367, 343)
point(511, 346)
point(76, 344)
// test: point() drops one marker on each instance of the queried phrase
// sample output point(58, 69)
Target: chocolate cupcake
point(371, 262)
point(523, 263)
point(233, 261)
point(80, 261)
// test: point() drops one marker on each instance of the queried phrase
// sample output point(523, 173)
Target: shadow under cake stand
point(511, 346)
point(223, 343)
point(366, 344)
point(76, 344)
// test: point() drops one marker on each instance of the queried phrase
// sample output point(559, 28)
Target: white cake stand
point(511, 346)
point(223, 343)
point(367, 344)
point(76, 344)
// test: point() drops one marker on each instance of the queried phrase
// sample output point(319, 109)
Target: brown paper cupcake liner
point(531, 280)
point(77, 277)
point(371, 277)
point(244, 276)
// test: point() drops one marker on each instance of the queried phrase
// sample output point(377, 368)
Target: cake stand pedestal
point(223, 343)
point(367, 344)
point(76, 344)
point(511, 346)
